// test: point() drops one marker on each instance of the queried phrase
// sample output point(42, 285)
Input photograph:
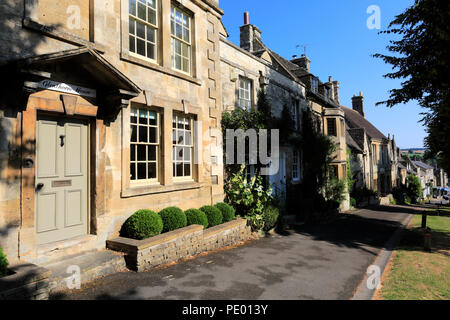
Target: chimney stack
point(303, 62)
point(358, 103)
point(250, 33)
point(336, 91)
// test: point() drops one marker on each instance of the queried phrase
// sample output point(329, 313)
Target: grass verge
point(415, 274)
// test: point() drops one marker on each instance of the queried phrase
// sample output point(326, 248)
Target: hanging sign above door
point(67, 88)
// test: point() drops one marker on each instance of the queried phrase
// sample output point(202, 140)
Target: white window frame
point(134, 146)
point(186, 29)
point(245, 91)
point(135, 20)
point(176, 134)
point(296, 169)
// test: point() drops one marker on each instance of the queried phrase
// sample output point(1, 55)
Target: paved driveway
point(320, 262)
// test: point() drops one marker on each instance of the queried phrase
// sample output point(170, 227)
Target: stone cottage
point(371, 164)
point(251, 66)
point(107, 107)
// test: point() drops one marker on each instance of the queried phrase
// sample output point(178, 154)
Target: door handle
point(39, 186)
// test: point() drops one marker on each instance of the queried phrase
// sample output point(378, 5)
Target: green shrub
point(228, 212)
point(3, 264)
point(213, 214)
point(335, 190)
point(414, 189)
point(352, 202)
point(173, 218)
point(270, 217)
point(195, 216)
point(142, 224)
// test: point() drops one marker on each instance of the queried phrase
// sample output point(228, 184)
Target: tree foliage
point(421, 59)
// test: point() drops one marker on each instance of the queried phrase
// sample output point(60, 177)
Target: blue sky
point(339, 45)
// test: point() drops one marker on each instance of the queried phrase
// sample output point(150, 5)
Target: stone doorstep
point(93, 264)
point(23, 275)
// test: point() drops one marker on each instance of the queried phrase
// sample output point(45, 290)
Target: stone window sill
point(145, 63)
point(135, 191)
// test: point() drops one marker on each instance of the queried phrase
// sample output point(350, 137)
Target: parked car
point(446, 196)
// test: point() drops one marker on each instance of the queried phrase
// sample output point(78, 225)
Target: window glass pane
point(133, 171)
point(180, 137)
point(179, 156)
point(178, 62)
point(187, 137)
point(150, 51)
point(141, 152)
point(133, 152)
point(142, 171)
point(152, 170)
point(180, 123)
point(143, 134)
point(186, 36)
point(133, 133)
point(141, 11)
point(132, 7)
point(140, 47)
point(140, 30)
point(187, 154)
point(151, 34)
point(131, 26)
point(185, 66)
point(143, 116)
point(133, 114)
point(152, 153)
point(152, 3)
point(132, 44)
point(178, 31)
point(152, 118)
point(187, 169)
point(151, 16)
point(153, 135)
point(179, 172)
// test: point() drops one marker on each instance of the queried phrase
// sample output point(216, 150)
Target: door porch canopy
point(80, 71)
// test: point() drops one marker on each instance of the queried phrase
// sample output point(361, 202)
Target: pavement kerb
point(362, 292)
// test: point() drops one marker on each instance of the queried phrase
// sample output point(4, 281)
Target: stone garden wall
point(179, 244)
point(25, 282)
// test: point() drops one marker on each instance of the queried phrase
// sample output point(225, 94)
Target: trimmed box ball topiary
point(3, 264)
point(142, 224)
point(195, 216)
point(213, 214)
point(227, 211)
point(270, 217)
point(173, 218)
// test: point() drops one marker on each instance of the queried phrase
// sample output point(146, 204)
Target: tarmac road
point(314, 262)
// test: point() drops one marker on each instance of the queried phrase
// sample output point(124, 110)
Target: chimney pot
point(330, 79)
point(294, 56)
point(246, 18)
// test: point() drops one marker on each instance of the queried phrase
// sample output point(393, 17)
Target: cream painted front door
point(61, 179)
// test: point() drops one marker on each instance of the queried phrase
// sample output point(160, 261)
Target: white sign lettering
point(67, 88)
